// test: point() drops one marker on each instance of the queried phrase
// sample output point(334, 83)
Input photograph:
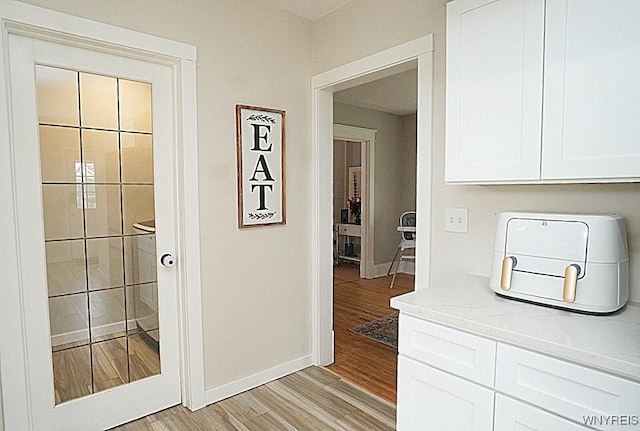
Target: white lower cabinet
point(444, 378)
point(578, 393)
point(431, 399)
point(514, 415)
point(452, 380)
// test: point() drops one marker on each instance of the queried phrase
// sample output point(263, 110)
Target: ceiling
point(396, 94)
point(309, 9)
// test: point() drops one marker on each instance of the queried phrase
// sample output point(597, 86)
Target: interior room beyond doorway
point(362, 297)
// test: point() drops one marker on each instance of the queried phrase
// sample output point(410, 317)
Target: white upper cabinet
point(591, 112)
point(543, 96)
point(494, 89)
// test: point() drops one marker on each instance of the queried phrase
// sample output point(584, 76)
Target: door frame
point(376, 66)
point(44, 24)
point(367, 140)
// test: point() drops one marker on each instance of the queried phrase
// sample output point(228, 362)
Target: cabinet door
point(494, 90)
point(429, 399)
point(578, 393)
point(513, 415)
point(591, 90)
point(455, 352)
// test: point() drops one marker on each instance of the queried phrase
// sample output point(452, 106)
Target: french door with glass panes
point(94, 178)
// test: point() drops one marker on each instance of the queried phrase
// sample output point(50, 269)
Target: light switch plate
point(457, 220)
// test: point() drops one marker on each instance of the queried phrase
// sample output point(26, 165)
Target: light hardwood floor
point(313, 399)
point(82, 370)
point(356, 301)
point(356, 393)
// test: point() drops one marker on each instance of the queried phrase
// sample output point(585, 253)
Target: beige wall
point(472, 251)
point(394, 171)
point(1, 414)
point(364, 27)
point(256, 282)
point(394, 22)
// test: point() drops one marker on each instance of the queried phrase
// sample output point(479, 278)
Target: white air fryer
point(576, 262)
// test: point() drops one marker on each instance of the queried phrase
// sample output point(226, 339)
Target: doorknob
point(168, 260)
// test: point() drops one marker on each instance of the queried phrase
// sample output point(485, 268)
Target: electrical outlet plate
point(457, 220)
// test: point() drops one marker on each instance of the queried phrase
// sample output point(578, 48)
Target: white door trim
point(20, 18)
point(323, 86)
point(367, 139)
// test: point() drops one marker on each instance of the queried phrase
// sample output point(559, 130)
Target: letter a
point(265, 170)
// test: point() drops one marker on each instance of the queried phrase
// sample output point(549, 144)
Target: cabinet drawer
point(429, 399)
point(456, 352)
point(513, 415)
point(569, 390)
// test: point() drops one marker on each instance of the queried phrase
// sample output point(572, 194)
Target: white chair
point(407, 231)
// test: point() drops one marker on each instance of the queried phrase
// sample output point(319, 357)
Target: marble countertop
point(609, 343)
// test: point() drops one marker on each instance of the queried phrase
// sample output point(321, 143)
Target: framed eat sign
point(260, 140)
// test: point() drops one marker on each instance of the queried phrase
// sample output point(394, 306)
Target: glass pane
point(107, 314)
point(137, 158)
point(66, 271)
point(137, 205)
point(100, 156)
point(59, 153)
point(105, 262)
point(57, 92)
point(69, 320)
point(135, 106)
point(98, 101)
point(72, 373)
point(101, 331)
point(142, 307)
point(110, 368)
point(144, 356)
point(62, 214)
point(140, 259)
point(102, 212)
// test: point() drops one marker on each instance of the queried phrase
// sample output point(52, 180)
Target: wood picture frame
point(260, 142)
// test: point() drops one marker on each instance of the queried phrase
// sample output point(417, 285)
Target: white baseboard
point(381, 270)
point(96, 331)
point(405, 267)
point(230, 389)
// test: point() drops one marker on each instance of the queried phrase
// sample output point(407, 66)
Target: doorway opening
point(388, 108)
point(353, 196)
point(377, 66)
point(348, 202)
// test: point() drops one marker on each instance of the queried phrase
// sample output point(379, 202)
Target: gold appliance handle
point(507, 269)
point(571, 274)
